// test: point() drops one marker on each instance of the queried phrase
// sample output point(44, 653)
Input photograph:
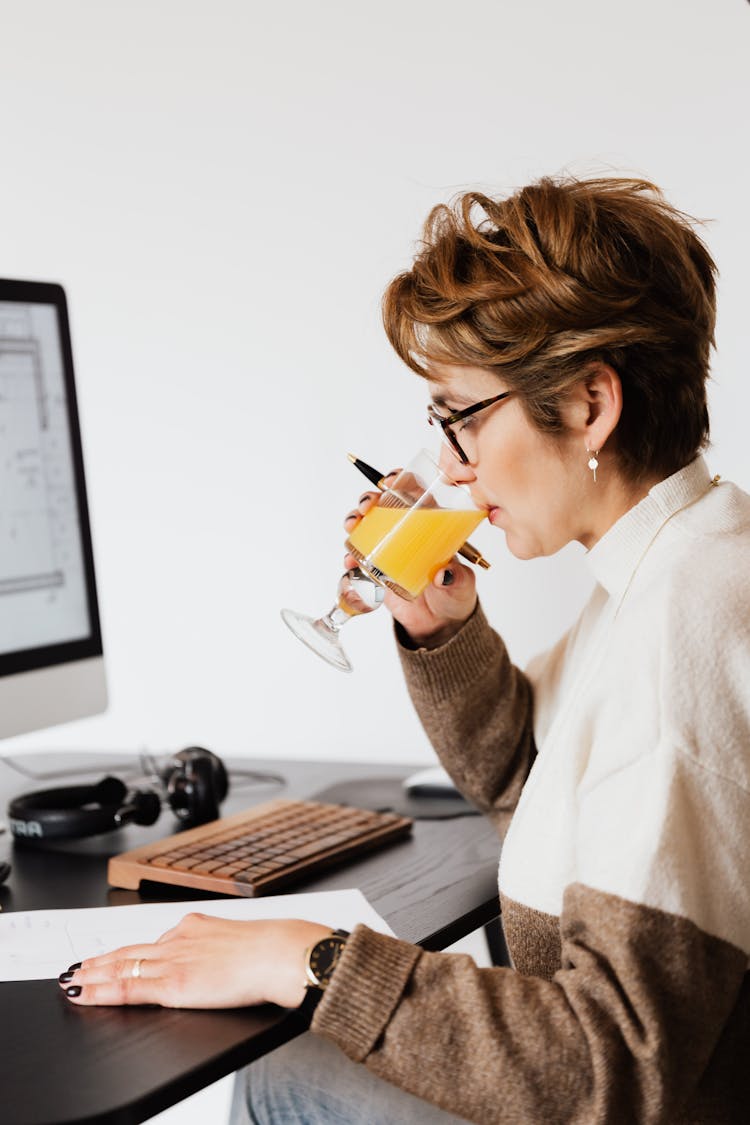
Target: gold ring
point(136, 970)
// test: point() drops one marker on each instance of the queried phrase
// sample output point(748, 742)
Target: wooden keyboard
point(260, 850)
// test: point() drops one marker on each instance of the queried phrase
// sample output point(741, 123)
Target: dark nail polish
point(448, 577)
point(65, 977)
point(72, 968)
point(363, 497)
point(74, 990)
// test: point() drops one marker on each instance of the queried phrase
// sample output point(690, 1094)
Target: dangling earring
point(593, 461)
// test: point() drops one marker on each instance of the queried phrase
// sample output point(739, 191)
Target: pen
point(471, 554)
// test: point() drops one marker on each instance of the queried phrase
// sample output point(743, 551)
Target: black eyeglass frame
point(445, 422)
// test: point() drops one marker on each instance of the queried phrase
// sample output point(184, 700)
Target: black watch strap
point(313, 996)
point(314, 992)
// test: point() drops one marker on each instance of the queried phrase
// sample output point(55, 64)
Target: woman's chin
point(521, 548)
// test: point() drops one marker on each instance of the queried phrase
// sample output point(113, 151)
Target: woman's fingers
point(441, 610)
point(151, 974)
point(445, 577)
point(127, 955)
point(365, 502)
point(129, 963)
point(143, 967)
point(452, 593)
point(130, 976)
point(117, 991)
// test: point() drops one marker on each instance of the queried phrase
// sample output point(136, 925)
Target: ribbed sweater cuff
point(442, 672)
point(366, 987)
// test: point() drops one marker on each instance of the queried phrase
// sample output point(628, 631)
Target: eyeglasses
point(447, 423)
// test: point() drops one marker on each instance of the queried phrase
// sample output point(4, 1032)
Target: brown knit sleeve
point(644, 1024)
point(477, 710)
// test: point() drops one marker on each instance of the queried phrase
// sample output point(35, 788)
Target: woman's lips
point(493, 514)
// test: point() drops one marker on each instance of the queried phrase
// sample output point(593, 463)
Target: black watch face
point(325, 956)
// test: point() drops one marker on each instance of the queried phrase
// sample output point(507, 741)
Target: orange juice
point(410, 546)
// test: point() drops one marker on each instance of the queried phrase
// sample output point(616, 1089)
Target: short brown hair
point(565, 272)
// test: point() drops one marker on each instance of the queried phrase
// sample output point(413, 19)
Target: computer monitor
point(51, 657)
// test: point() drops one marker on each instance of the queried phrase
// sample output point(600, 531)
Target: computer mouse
point(430, 782)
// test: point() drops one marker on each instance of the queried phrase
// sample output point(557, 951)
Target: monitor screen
point(51, 660)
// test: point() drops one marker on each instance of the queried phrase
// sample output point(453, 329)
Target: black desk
point(61, 1064)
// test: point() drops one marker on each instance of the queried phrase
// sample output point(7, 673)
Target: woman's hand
point(440, 611)
point(203, 962)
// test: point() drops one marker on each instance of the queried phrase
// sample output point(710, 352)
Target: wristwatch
point(320, 961)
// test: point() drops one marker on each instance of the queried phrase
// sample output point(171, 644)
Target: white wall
point(224, 189)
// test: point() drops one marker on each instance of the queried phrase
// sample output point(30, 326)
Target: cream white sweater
point(642, 719)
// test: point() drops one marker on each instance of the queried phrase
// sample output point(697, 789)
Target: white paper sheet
point(40, 944)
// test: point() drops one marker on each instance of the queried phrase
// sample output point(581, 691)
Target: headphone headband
point(74, 810)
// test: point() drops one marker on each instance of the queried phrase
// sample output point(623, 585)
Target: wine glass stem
point(335, 619)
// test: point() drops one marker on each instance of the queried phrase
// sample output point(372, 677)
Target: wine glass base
point(319, 637)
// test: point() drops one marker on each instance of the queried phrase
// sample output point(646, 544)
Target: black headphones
point(193, 782)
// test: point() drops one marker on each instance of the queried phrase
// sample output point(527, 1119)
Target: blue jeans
point(311, 1082)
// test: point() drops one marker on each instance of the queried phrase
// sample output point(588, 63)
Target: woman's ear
point(601, 400)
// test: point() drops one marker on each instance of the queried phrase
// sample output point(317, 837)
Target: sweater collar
point(614, 559)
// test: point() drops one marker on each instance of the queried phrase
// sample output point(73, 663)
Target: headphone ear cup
point(219, 776)
point(138, 806)
point(109, 791)
point(146, 806)
point(205, 801)
point(196, 782)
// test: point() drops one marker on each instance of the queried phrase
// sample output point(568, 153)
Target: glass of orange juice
point(418, 523)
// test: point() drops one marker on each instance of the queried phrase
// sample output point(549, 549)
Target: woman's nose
point(453, 467)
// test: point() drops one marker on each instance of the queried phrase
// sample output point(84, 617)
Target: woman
point(564, 334)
